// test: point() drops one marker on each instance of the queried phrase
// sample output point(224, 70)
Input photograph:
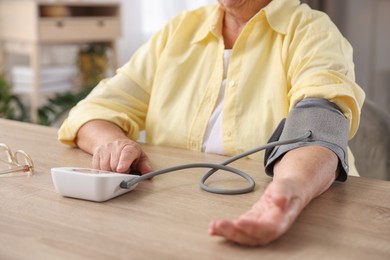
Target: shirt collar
point(277, 12)
point(212, 25)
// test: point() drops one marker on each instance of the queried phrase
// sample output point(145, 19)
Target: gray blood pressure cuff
point(329, 129)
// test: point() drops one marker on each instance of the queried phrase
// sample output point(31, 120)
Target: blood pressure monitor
point(89, 184)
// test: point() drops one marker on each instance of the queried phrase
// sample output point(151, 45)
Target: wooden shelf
point(27, 25)
point(78, 29)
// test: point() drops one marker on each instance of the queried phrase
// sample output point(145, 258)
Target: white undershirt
point(212, 142)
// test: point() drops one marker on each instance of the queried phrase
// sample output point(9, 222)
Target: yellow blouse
point(285, 53)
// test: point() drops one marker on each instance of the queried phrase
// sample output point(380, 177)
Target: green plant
point(11, 106)
point(60, 104)
point(92, 63)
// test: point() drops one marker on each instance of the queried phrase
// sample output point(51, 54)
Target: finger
point(261, 232)
point(263, 226)
point(104, 162)
point(114, 158)
point(128, 155)
point(96, 161)
point(227, 229)
point(144, 166)
point(101, 161)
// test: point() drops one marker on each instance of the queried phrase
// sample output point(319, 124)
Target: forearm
point(311, 169)
point(98, 132)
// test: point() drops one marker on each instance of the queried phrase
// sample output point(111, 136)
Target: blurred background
point(364, 23)
point(53, 52)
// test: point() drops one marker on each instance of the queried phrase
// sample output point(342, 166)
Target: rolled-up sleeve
point(114, 104)
point(321, 66)
point(122, 99)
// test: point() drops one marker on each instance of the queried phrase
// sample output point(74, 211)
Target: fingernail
point(121, 168)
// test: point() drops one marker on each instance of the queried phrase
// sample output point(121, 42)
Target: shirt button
point(228, 133)
point(232, 83)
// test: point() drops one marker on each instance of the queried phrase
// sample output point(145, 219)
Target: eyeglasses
point(18, 162)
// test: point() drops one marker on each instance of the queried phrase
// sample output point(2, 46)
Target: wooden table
point(168, 217)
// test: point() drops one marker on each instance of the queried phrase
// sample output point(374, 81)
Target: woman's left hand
point(301, 175)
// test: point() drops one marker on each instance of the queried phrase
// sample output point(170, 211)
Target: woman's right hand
point(111, 149)
point(121, 155)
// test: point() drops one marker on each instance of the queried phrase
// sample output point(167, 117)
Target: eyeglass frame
point(13, 160)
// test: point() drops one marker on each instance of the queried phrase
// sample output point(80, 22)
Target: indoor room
point(183, 129)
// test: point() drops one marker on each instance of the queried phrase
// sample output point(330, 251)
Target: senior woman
point(219, 79)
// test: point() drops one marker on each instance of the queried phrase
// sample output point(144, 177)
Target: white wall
point(141, 18)
point(131, 37)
